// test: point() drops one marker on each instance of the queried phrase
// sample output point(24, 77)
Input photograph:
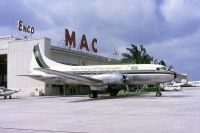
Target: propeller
point(125, 81)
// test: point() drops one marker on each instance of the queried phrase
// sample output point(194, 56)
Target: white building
point(15, 59)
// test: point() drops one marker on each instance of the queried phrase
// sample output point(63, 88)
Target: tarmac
point(174, 112)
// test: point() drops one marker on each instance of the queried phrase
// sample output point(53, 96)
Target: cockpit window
point(161, 68)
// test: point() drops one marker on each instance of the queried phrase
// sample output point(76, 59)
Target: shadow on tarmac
point(35, 130)
point(104, 97)
point(2, 98)
point(141, 96)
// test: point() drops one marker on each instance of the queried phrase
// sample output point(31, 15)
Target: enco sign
point(25, 28)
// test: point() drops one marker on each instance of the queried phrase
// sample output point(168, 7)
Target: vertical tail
point(39, 60)
point(33, 64)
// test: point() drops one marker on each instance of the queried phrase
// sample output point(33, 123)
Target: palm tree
point(162, 62)
point(137, 55)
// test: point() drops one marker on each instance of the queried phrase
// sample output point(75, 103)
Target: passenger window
point(158, 68)
point(134, 68)
point(161, 68)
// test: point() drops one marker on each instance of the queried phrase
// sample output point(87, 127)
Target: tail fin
point(39, 60)
point(33, 64)
point(39, 57)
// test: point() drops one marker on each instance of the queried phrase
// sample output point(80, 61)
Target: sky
point(168, 29)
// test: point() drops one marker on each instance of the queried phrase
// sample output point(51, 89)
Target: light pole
point(114, 53)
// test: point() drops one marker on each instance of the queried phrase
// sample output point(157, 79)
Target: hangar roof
point(83, 54)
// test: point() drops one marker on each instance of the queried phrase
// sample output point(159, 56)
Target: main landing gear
point(113, 92)
point(93, 94)
point(5, 97)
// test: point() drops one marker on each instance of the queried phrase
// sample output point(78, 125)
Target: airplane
point(110, 78)
point(7, 92)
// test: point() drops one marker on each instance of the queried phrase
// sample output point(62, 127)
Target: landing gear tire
point(158, 94)
point(93, 94)
point(5, 97)
point(113, 93)
point(10, 97)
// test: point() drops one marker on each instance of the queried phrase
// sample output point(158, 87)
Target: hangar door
point(3, 70)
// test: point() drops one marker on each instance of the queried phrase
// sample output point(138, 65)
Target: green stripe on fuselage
point(124, 72)
point(38, 57)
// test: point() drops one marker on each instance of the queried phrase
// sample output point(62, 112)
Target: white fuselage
point(144, 74)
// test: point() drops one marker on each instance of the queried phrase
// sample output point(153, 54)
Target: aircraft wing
point(31, 75)
point(9, 92)
point(82, 79)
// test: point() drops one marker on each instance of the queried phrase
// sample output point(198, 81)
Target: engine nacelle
point(111, 78)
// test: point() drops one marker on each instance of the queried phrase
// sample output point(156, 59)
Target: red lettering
point(70, 39)
point(84, 43)
point(94, 41)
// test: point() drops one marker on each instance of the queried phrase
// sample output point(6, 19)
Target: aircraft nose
point(175, 75)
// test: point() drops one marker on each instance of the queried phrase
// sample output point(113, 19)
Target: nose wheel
point(158, 94)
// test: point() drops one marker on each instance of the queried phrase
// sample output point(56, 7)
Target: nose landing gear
point(158, 94)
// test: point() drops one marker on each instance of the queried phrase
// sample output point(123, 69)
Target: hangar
point(15, 59)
